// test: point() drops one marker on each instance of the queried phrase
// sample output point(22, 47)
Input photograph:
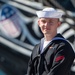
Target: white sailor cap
point(49, 13)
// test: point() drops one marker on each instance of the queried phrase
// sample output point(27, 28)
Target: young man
point(53, 55)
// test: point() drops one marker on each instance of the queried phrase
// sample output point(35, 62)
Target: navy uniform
point(56, 58)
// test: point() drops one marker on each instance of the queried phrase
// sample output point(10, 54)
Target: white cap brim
point(49, 14)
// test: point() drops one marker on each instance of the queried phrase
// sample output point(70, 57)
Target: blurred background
point(19, 31)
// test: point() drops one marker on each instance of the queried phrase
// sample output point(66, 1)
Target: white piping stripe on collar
point(58, 38)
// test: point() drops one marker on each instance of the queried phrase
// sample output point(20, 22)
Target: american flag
point(10, 24)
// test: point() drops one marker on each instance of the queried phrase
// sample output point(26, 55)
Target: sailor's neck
point(49, 37)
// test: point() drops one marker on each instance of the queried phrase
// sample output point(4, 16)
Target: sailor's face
point(48, 25)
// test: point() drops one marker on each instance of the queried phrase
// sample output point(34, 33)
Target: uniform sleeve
point(62, 62)
point(29, 66)
point(30, 63)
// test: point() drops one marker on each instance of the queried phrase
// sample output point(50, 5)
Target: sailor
point(54, 54)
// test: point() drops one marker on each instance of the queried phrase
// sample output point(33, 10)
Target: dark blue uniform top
point(56, 58)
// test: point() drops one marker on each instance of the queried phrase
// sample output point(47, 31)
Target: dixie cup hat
point(49, 13)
